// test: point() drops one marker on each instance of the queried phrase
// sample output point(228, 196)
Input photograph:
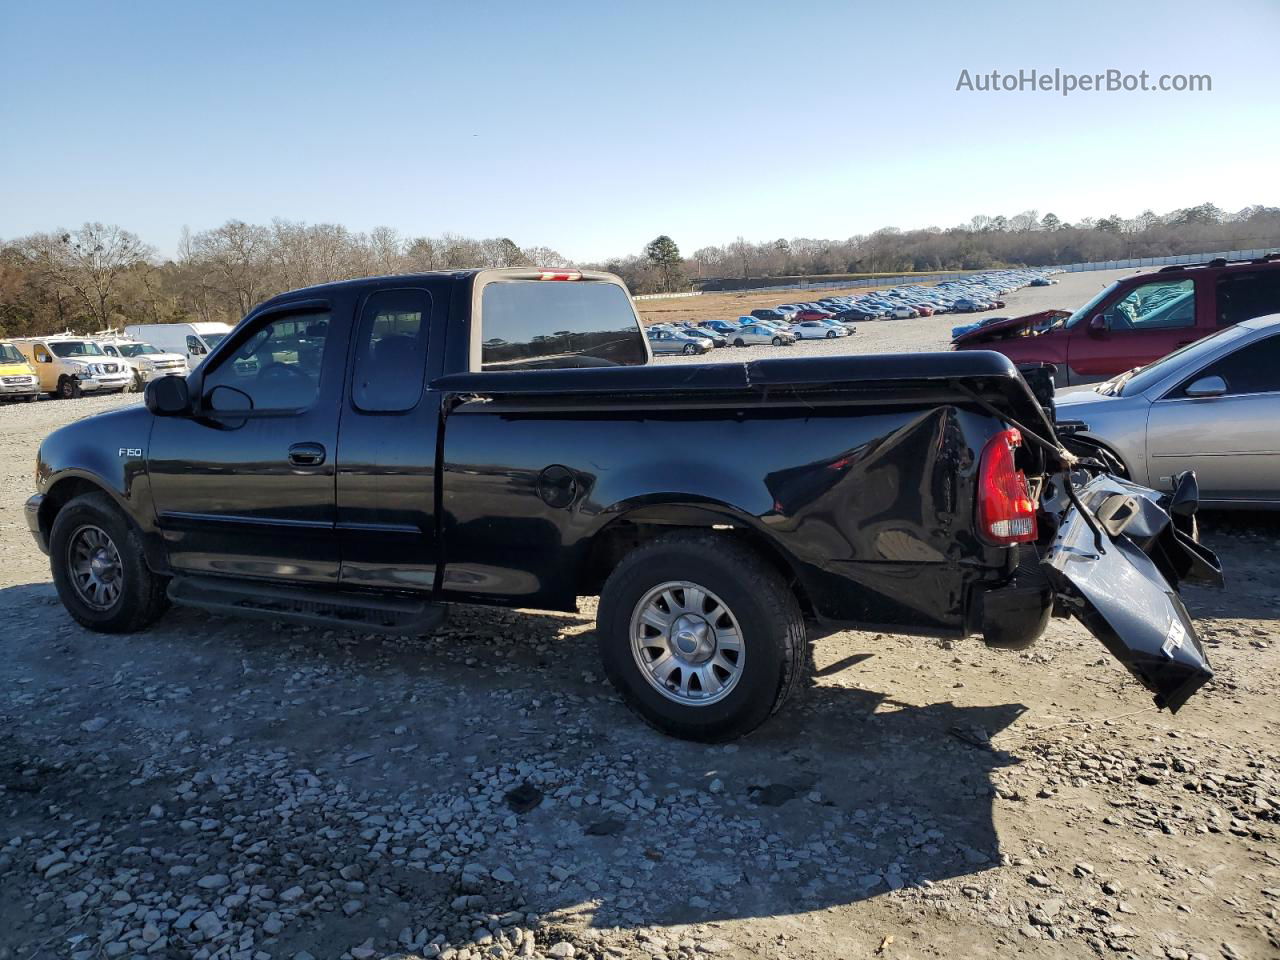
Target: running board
point(311, 605)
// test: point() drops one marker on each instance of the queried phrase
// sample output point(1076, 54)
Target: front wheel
point(739, 342)
point(831, 334)
point(777, 341)
point(68, 388)
point(690, 349)
point(99, 570)
point(700, 635)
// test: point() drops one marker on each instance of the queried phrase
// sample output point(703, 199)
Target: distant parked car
point(1211, 407)
point(692, 330)
point(723, 327)
point(816, 330)
point(761, 333)
point(850, 314)
point(668, 341)
point(770, 313)
point(809, 313)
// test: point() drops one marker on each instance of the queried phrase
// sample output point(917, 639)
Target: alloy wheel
point(94, 564)
point(687, 643)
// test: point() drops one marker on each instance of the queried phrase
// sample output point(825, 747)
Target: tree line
point(1026, 239)
point(102, 275)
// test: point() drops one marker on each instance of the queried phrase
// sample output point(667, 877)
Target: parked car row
point(70, 365)
point(981, 291)
point(695, 338)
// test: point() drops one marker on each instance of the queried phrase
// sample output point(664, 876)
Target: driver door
point(245, 486)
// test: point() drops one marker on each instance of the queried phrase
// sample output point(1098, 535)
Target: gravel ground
point(234, 789)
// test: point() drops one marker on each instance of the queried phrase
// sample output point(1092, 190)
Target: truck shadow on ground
point(844, 795)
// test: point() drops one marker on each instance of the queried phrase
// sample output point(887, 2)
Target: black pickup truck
point(365, 453)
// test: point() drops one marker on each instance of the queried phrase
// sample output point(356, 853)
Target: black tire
point(771, 627)
point(831, 334)
point(141, 598)
point(68, 389)
point(739, 342)
point(777, 341)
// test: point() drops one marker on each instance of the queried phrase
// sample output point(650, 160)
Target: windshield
point(212, 339)
point(9, 353)
point(136, 349)
point(1135, 381)
point(76, 348)
point(1087, 309)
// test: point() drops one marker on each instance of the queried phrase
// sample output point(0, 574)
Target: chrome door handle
point(306, 454)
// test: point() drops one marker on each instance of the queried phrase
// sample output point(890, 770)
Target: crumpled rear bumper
point(1117, 569)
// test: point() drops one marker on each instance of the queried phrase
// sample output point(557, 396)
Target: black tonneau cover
point(880, 377)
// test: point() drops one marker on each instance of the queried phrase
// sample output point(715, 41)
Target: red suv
point(1136, 320)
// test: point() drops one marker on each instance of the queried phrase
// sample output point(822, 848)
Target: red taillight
point(561, 275)
point(1006, 512)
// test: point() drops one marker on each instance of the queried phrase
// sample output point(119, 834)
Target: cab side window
point(1251, 369)
point(1159, 305)
point(277, 367)
point(194, 347)
point(1245, 295)
point(391, 351)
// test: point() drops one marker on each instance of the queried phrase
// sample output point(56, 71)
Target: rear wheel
point(98, 567)
point(703, 639)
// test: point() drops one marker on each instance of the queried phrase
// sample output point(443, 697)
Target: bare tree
point(89, 263)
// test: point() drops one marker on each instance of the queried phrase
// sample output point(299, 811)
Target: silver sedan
point(1212, 407)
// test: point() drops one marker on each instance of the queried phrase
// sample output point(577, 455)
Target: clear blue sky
point(591, 127)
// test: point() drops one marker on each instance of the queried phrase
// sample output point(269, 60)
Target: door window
point(391, 352)
point(277, 367)
point(1245, 295)
point(1159, 305)
point(1254, 368)
point(194, 346)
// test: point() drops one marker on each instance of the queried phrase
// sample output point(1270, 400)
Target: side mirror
point(1098, 325)
point(1207, 387)
point(168, 397)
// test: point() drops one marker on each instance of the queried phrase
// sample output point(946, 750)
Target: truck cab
point(1136, 319)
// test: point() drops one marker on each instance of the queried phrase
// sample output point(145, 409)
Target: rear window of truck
point(540, 325)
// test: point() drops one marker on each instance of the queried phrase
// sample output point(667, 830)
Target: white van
point(192, 340)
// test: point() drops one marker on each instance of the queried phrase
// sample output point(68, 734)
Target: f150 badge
point(130, 451)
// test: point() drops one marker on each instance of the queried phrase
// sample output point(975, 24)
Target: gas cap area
point(557, 486)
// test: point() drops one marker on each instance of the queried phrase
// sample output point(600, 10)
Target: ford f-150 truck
point(365, 453)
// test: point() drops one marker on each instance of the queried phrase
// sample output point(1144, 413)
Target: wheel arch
point(640, 523)
point(74, 484)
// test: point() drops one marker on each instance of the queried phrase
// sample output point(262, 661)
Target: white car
point(146, 362)
point(817, 330)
